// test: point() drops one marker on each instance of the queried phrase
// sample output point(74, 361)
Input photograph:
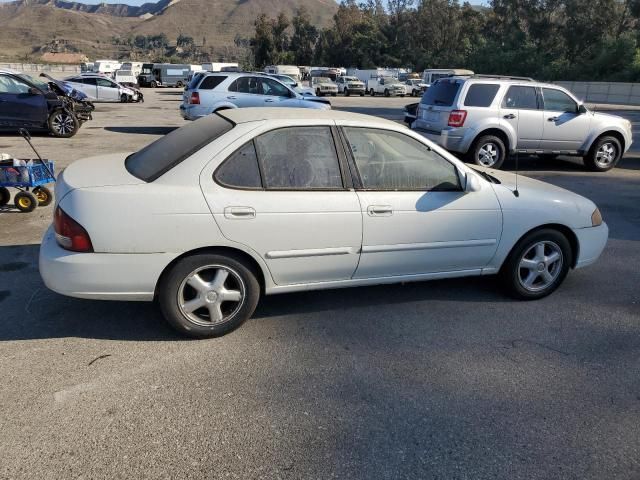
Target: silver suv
point(487, 117)
point(210, 92)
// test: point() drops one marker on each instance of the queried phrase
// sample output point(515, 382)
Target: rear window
point(442, 93)
point(481, 94)
point(209, 83)
point(195, 80)
point(159, 157)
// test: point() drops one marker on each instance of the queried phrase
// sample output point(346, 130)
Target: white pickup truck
point(387, 86)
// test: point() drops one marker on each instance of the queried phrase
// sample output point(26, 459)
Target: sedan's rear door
point(285, 195)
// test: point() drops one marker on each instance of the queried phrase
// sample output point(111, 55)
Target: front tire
point(604, 154)
point(25, 202)
point(346, 92)
point(386, 93)
point(372, 92)
point(488, 151)
point(63, 124)
point(208, 295)
point(537, 265)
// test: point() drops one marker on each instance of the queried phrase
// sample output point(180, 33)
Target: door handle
point(231, 97)
point(511, 116)
point(380, 210)
point(239, 213)
point(269, 100)
point(552, 119)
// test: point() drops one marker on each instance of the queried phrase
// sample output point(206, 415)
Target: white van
point(125, 76)
point(106, 67)
point(217, 67)
point(134, 67)
point(431, 75)
point(288, 70)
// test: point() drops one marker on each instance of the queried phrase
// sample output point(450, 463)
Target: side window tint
point(299, 158)
point(558, 101)
point(388, 160)
point(481, 94)
point(211, 82)
point(521, 97)
point(271, 87)
point(240, 170)
point(245, 85)
point(89, 81)
point(11, 85)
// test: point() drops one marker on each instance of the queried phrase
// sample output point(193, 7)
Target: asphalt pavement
point(435, 380)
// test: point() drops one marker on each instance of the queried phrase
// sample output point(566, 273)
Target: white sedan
point(263, 201)
point(99, 88)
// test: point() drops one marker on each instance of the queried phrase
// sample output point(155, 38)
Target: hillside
point(31, 27)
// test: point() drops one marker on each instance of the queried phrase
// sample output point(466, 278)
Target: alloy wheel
point(606, 154)
point(488, 155)
point(63, 123)
point(540, 266)
point(211, 295)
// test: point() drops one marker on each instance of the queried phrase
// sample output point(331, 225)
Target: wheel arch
point(609, 133)
point(496, 132)
point(563, 229)
point(228, 251)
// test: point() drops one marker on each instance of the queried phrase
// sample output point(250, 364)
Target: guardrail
point(605, 92)
point(38, 67)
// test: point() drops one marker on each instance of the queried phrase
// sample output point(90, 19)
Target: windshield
point(147, 68)
point(322, 80)
point(391, 80)
point(38, 83)
point(159, 157)
point(285, 79)
point(351, 79)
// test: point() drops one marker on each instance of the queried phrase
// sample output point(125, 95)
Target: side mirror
point(582, 109)
point(34, 91)
point(472, 183)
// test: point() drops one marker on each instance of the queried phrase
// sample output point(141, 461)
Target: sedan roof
point(244, 115)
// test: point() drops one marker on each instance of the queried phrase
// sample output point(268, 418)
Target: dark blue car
point(35, 105)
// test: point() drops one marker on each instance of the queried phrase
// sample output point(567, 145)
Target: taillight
point(195, 98)
point(457, 118)
point(70, 234)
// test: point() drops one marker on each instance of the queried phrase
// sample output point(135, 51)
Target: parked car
point(293, 84)
point(212, 92)
point(324, 86)
point(349, 85)
point(410, 112)
point(282, 200)
point(415, 87)
point(486, 117)
point(387, 86)
point(102, 89)
point(52, 106)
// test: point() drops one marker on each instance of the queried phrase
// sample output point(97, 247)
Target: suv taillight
point(195, 98)
point(457, 118)
point(70, 235)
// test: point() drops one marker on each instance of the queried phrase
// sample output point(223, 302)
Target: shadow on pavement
point(142, 130)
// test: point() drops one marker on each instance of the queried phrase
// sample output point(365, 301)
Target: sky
point(140, 2)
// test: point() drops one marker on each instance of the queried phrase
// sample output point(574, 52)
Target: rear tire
point(43, 195)
point(25, 202)
point(372, 92)
point(386, 93)
point(179, 84)
point(604, 154)
point(208, 295)
point(5, 196)
point(346, 92)
point(537, 265)
point(488, 151)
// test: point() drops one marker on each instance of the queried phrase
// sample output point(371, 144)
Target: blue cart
point(28, 179)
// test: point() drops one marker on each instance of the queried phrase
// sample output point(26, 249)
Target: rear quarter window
point(481, 94)
point(442, 93)
point(209, 83)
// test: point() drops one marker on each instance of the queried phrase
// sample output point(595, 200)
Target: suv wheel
point(63, 124)
point(488, 151)
point(346, 92)
point(208, 295)
point(604, 154)
point(537, 265)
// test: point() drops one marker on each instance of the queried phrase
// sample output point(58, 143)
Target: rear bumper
point(591, 243)
point(451, 140)
point(100, 276)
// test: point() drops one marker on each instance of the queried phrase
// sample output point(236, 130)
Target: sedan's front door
point(565, 128)
point(107, 90)
point(20, 104)
point(282, 195)
point(416, 217)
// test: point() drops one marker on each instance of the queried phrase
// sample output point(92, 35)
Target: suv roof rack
point(502, 77)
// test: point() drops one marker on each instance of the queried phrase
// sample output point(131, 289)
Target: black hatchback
point(29, 103)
